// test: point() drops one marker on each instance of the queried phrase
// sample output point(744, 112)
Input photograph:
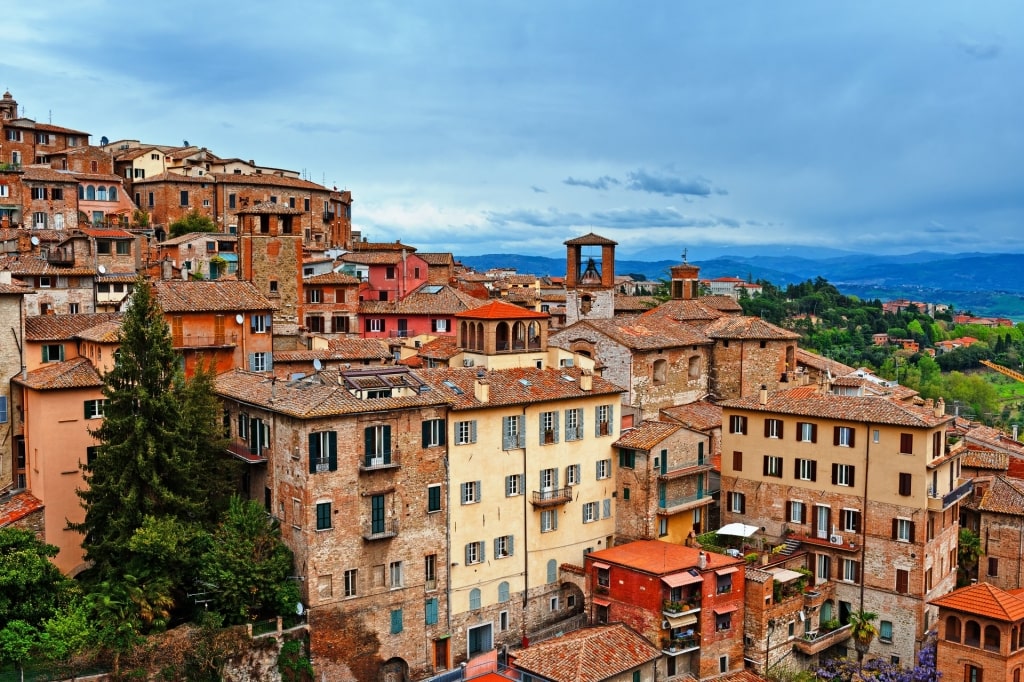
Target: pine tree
point(161, 453)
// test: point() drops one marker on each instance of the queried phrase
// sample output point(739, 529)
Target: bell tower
point(685, 281)
point(589, 278)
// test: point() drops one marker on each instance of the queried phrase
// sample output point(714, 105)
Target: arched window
point(1014, 642)
point(112, 193)
point(81, 191)
point(479, 340)
point(952, 629)
point(101, 193)
point(659, 371)
point(464, 340)
point(552, 571)
point(533, 336)
point(972, 633)
point(474, 598)
point(826, 612)
point(503, 593)
point(519, 336)
point(90, 193)
point(693, 371)
point(992, 637)
point(501, 337)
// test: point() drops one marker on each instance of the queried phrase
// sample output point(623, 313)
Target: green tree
point(32, 588)
point(17, 640)
point(968, 551)
point(248, 565)
point(863, 631)
point(193, 221)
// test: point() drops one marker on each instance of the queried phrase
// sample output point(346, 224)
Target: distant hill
point(985, 284)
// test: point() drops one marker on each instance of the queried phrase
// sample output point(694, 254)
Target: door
point(821, 527)
point(661, 495)
point(479, 639)
point(403, 328)
point(377, 514)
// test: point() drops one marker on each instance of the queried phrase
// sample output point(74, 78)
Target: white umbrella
point(739, 529)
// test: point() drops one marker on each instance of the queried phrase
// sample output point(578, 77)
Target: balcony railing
point(379, 462)
point(942, 501)
point(552, 498)
point(816, 642)
point(328, 216)
point(205, 340)
point(678, 504)
point(381, 531)
point(685, 468)
point(63, 256)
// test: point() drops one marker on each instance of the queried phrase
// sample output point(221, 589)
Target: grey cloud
point(979, 50)
point(619, 218)
point(669, 185)
point(538, 190)
point(603, 182)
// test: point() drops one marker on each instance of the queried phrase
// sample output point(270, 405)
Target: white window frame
point(775, 428)
point(902, 530)
point(259, 324)
point(738, 424)
point(514, 485)
point(470, 492)
point(351, 588)
point(844, 472)
point(94, 408)
point(512, 437)
point(548, 521)
point(259, 361)
point(590, 512)
point(846, 516)
point(845, 435)
point(572, 474)
point(474, 553)
point(849, 570)
point(503, 546)
point(796, 511)
point(806, 432)
point(805, 469)
point(604, 417)
point(396, 575)
point(604, 469)
point(574, 424)
point(774, 466)
point(465, 432)
point(735, 502)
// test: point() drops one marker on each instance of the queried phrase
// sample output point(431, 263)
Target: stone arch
point(112, 193)
point(394, 670)
point(502, 337)
point(952, 629)
point(90, 193)
point(533, 336)
point(992, 637)
point(518, 336)
point(464, 339)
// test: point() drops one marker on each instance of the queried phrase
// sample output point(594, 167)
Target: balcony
point(205, 340)
point(816, 642)
point(381, 530)
point(941, 502)
point(389, 460)
point(688, 468)
point(551, 498)
point(61, 256)
point(679, 504)
point(328, 217)
point(681, 645)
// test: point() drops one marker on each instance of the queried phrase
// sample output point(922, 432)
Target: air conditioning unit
point(665, 625)
point(835, 539)
point(467, 363)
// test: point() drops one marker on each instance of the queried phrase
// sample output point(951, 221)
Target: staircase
point(791, 545)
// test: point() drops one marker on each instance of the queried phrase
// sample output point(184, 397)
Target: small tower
point(589, 278)
point(270, 256)
point(685, 281)
point(8, 107)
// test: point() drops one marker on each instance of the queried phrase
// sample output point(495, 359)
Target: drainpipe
point(526, 542)
point(448, 547)
point(863, 514)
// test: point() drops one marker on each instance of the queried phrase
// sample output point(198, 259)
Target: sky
point(508, 127)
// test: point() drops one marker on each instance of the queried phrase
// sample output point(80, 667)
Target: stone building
point(589, 278)
point(980, 634)
point(996, 513)
point(12, 317)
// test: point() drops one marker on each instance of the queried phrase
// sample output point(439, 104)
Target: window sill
point(319, 530)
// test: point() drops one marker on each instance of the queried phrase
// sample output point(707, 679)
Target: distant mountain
point(985, 284)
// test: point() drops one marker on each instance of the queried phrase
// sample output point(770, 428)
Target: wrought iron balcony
point(816, 642)
point(381, 530)
point(552, 497)
point(379, 462)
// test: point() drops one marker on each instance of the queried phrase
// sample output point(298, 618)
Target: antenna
point(34, 240)
point(102, 269)
point(317, 365)
point(239, 319)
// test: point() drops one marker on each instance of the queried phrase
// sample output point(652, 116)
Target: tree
point(863, 631)
point(17, 639)
point(31, 586)
point(968, 551)
point(193, 221)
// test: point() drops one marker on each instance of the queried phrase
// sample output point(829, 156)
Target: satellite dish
point(102, 269)
point(35, 240)
point(317, 365)
point(239, 319)
point(299, 609)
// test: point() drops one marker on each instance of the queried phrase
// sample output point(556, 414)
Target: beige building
point(864, 487)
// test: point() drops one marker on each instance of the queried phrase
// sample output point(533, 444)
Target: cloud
point(626, 218)
point(538, 190)
point(669, 185)
point(602, 183)
point(979, 50)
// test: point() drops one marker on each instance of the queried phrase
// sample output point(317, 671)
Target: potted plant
point(863, 631)
point(672, 606)
point(829, 625)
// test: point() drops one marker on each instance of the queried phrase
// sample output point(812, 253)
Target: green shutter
point(314, 450)
point(430, 611)
point(425, 430)
point(387, 442)
point(396, 621)
point(332, 450)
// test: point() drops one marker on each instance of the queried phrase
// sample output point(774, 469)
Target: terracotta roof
point(98, 177)
point(168, 176)
point(984, 600)
point(437, 258)
point(742, 327)
point(588, 654)
point(340, 350)
point(660, 558)
point(269, 208)
point(50, 128)
point(18, 507)
point(684, 311)
point(1004, 496)
point(373, 258)
point(821, 363)
point(977, 457)
point(741, 676)
point(43, 235)
point(700, 415)
point(192, 236)
point(107, 233)
point(875, 410)
point(75, 373)
point(268, 179)
point(642, 333)
point(109, 276)
point(383, 246)
point(332, 278)
point(590, 239)
point(15, 289)
point(993, 438)
point(206, 296)
point(633, 303)
point(441, 348)
point(64, 327)
point(513, 386)
point(47, 174)
point(499, 310)
point(726, 304)
point(445, 301)
point(104, 332)
point(646, 436)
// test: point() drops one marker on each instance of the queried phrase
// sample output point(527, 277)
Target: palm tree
point(968, 551)
point(863, 631)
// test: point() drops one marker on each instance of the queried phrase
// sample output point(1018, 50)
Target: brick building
point(980, 634)
point(603, 653)
point(12, 317)
point(430, 310)
point(996, 513)
point(202, 255)
point(589, 278)
point(685, 601)
point(332, 304)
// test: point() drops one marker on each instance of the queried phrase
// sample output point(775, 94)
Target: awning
point(726, 571)
point(784, 575)
point(682, 621)
point(740, 529)
point(601, 602)
point(680, 579)
point(241, 451)
point(598, 564)
point(722, 610)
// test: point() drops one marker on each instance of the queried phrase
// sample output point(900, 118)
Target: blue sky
point(487, 127)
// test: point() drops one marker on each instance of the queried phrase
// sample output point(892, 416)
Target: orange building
point(981, 634)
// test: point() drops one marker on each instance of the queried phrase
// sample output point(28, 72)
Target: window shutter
point(781, 427)
point(386, 439)
point(743, 503)
point(814, 470)
point(252, 362)
point(799, 430)
point(856, 522)
point(554, 473)
point(835, 437)
point(765, 465)
point(554, 416)
point(835, 468)
point(853, 469)
point(85, 405)
point(472, 431)
point(314, 451)
point(368, 444)
point(3, 409)
point(332, 450)
point(479, 491)
point(579, 422)
point(856, 571)
point(425, 430)
point(267, 321)
point(469, 550)
point(737, 461)
point(789, 510)
point(508, 486)
point(505, 435)
point(611, 408)
point(442, 427)
point(252, 323)
point(540, 425)
point(396, 621)
point(483, 551)
point(803, 514)
point(511, 545)
point(767, 427)
point(814, 433)
point(268, 361)
point(853, 437)
point(895, 528)
point(912, 525)
point(496, 547)
point(586, 505)
point(700, 451)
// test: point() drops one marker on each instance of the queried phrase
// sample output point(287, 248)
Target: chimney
point(940, 407)
point(482, 389)
point(762, 395)
point(702, 560)
point(166, 269)
point(929, 403)
point(5, 276)
point(587, 380)
point(1015, 426)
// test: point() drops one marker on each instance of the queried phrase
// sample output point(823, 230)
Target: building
point(685, 601)
point(603, 653)
point(865, 485)
point(429, 310)
point(589, 278)
point(12, 317)
point(201, 255)
point(980, 634)
point(996, 513)
point(332, 304)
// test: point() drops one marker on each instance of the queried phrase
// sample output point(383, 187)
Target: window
point(57, 194)
point(548, 428)
point(885, 631)
point(627, 458)
point(465, 432)
point(433, 498)
point(605, 414)
point(659, 372)
point(724, 583)
point(430, 572)
point(737, 461)
point(723, 621)
point(339, 324)
point(396, 621)
point(259, 324)
point(604, 469)
point(843, 437)
point(737, 503)
point(843, 474)
point(797, 512)
point(548, 521)
point(433, 433)
point(3, 409)
point(513, 485)
point(232, 201)
point(574, 424)
point(590, 511)
point(512, 436)
point(851, 570)
point(395, 574)
point(151, 196)
point(849, 520)
point(824, 567)
point(323, 450)
point(183, 198)
point(377, 445)
point(806, 470)
point(53, 352)
point(905, 484)
point(323, 515)
point(314, 296)
point(606, 507)
point(375, 324)
point(993, 566)
point(389, 272)
point(94, 409)
point(738, 424)
point(773, 466)
point(572, 474)
point(260, 362)
point(103, 247)
point(4, 191)
point(903, 530)
point(902, 581)
point(548, 480)
point(474, 553)
point(504, 547)
point(439, 326)
point(39, 219)
point(906, 443)
point(122, 247)
point(315, 324)
point(773, 428)
point(470, 492)
point(38, 192)
point(430, 611)
point(474, 598)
